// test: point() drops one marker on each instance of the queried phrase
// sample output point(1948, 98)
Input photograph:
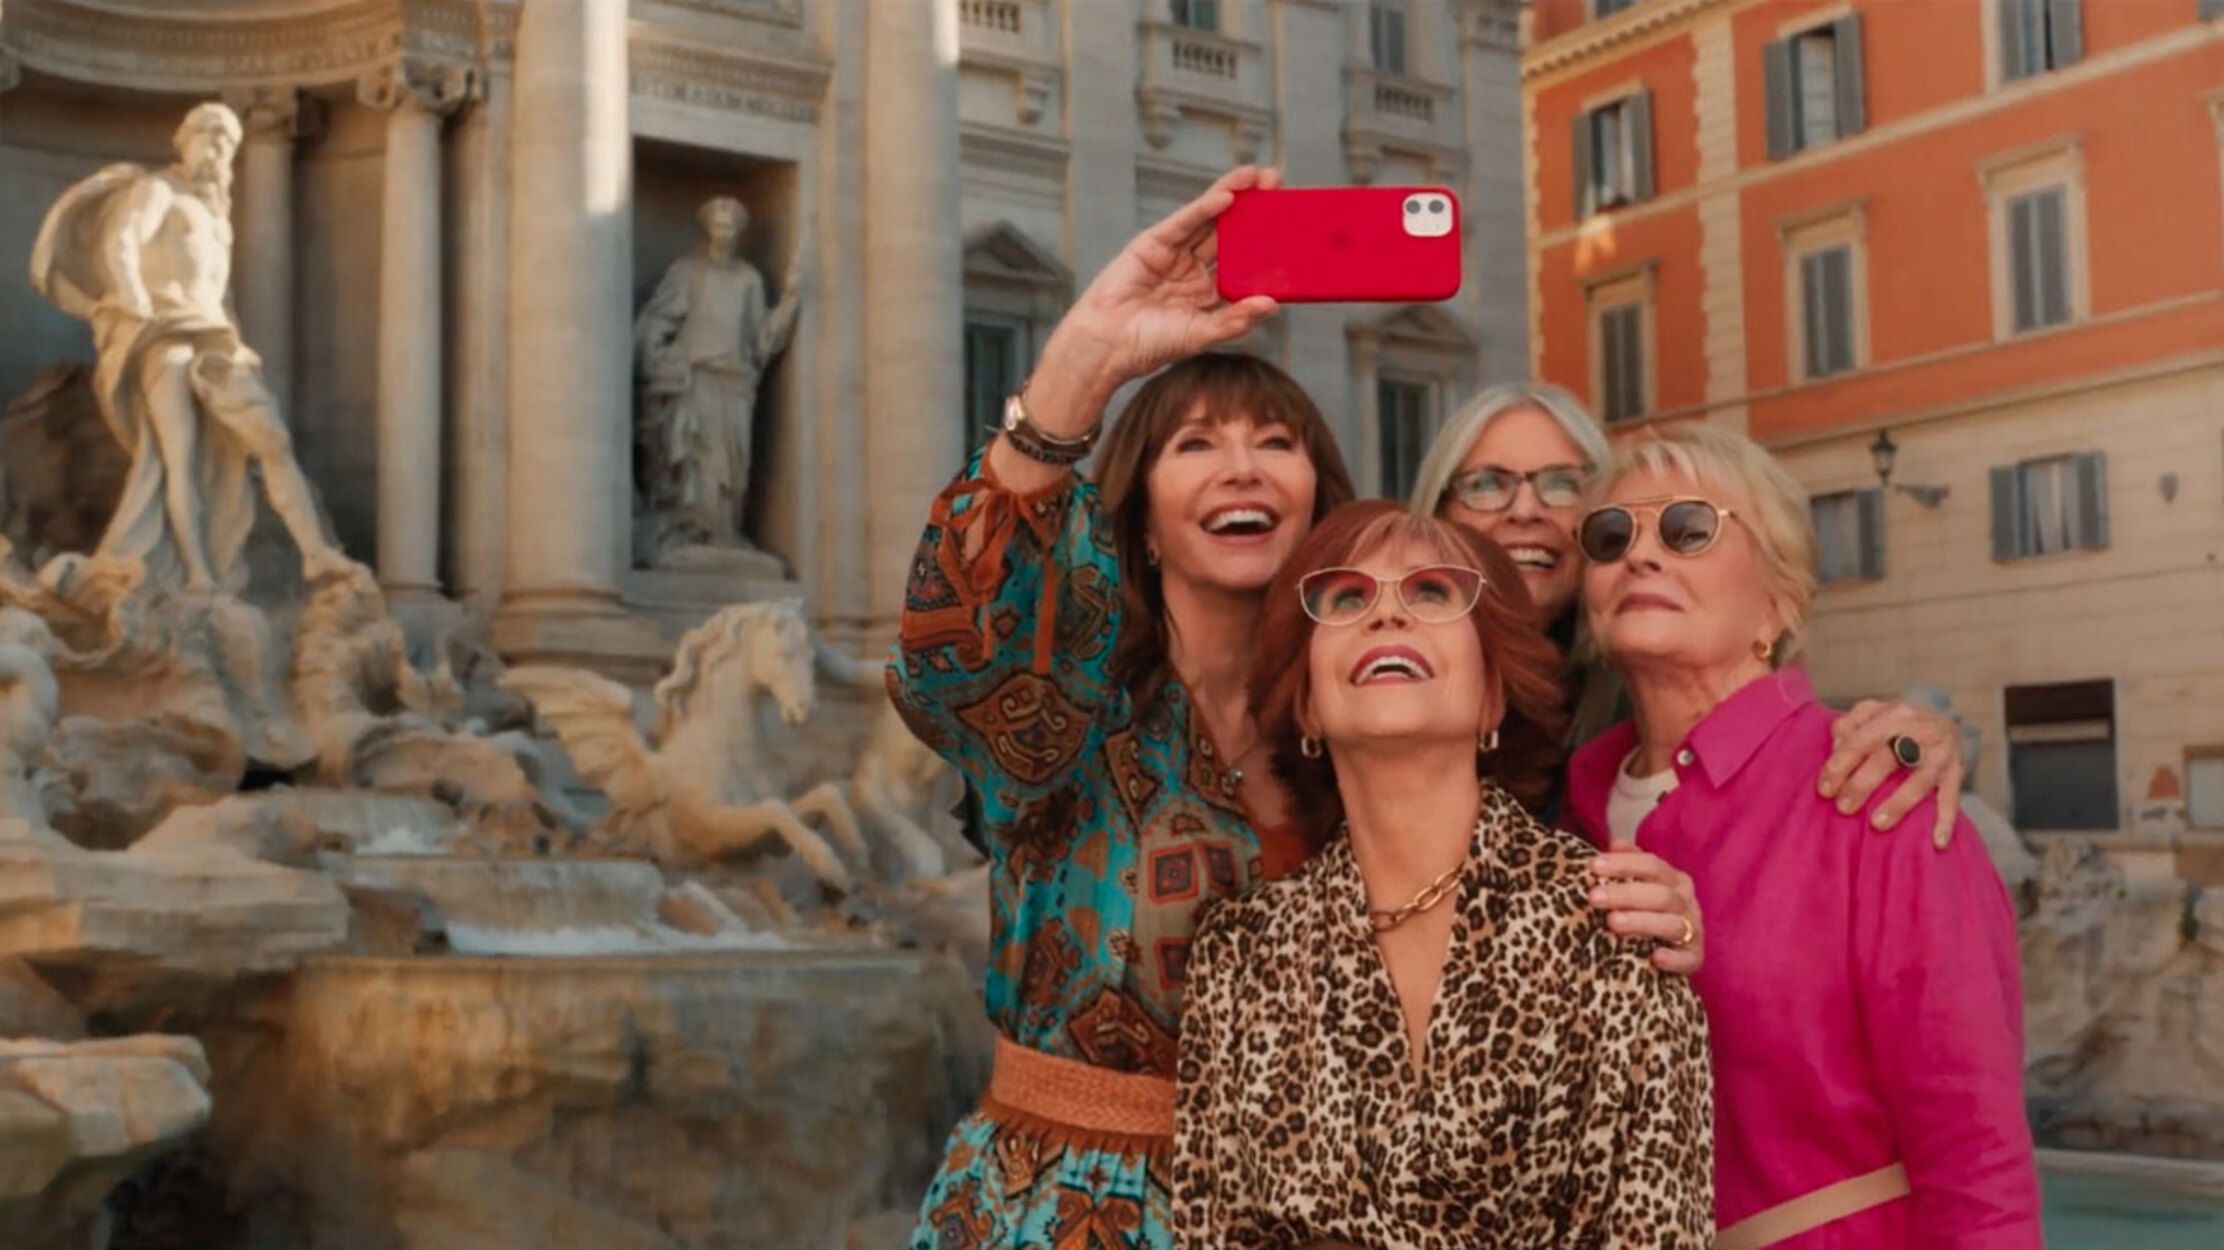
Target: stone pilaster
point(1721, 221)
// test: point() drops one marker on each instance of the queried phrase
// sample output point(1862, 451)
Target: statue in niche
point(705, 339)
point(146, 257)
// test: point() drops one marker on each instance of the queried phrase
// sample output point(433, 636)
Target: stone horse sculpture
point(697, 785)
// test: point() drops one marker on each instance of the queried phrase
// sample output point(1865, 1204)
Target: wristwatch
point(1031, 441)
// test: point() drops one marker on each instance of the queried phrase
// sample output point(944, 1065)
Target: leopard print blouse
point(1566, 1101)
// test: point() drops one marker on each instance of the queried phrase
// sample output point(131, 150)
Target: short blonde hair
point(1458, 436)
point(1756, 488)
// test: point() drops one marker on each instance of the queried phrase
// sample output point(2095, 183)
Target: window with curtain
point(2049, 506)
point(2039, 35)
point(1613, 154)
point(1812, 87)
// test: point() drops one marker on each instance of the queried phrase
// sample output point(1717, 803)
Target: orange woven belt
point(1080, 1098)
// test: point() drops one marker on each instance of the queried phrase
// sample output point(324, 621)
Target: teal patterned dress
point(1108, 827)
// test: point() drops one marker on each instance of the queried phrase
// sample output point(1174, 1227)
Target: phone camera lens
point(1413, 206)
point(1436, 206)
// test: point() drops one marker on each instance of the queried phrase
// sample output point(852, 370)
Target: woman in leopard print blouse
point(1425, 1037)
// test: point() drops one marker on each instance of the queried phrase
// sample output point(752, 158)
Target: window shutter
point(1837, 309)
point(2022, 261)
point(2052, 245)
point(1776, 75)
point(2211, 10)
point(2065, 32)
point(1872, 532)
point(1610, 365)
point(1853, 117)
point(1638, 111)
point(2014, 31)
point(2092, 501)
point(1811, 313)
point(1585, 179)
point(1633, 361)
point(2007, 513)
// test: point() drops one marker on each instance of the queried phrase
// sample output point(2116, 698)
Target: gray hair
point(210, 115)
point(1458, 436)
point(1760, 491)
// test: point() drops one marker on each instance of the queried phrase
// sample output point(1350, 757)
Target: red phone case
point(1339, 244)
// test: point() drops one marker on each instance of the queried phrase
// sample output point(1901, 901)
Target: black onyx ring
point(1906, 750)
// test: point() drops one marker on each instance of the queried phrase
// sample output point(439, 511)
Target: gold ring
point(1690, 933)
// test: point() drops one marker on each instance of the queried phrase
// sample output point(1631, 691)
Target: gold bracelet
point(1035, 443)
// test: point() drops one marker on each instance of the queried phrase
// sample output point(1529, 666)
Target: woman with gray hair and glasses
point(1514, 462)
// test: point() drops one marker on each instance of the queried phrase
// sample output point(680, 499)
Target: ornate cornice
point(783, 12)
point(729, 79)
point(1595, 38)
point(195, 50)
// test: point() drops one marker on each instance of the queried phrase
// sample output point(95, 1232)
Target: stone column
point(480, 173)
point(409, 324)
point(263, 255)
point(570, 345)
point(914, 284)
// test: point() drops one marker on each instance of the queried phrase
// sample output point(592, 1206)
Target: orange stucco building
point(1985, 236)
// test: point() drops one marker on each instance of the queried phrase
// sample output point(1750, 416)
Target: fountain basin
point(727, 1100)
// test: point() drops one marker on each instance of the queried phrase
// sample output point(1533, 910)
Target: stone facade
point(448, 211)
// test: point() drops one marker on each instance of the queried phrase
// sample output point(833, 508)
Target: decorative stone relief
point(726, 80)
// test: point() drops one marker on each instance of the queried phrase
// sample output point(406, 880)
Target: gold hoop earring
point(1763, 650)
point(1309, 747)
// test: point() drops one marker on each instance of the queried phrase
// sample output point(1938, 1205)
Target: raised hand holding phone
point(1155, 303)
point(1340, 244)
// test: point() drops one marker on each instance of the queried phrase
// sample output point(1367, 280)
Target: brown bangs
point(1214, 387)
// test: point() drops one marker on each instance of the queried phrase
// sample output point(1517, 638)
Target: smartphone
point(1341, 244)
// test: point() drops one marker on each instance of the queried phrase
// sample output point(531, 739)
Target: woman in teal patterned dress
point(1081, 652)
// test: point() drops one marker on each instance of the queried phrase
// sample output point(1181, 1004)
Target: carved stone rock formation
point(2123, 984)
point(76, 1118)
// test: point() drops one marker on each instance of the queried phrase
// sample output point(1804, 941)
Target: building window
point(1608, 8)
point(1197, 14)
point(2062, 756)
point(1402, 407)
point(1621, 332)
point(2043, 507)
point(993, 362)
point(1614, 154)
point(1813, 84)
point(1386, 35)
point(1849, 535)
point(2204, 769)
point(2039, 35)
point(1826, 310)
point(2038, 258)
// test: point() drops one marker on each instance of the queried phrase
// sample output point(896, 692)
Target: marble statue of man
point(705, 339)
point(146, 257)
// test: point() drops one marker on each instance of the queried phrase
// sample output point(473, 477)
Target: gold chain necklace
point(1430, 895)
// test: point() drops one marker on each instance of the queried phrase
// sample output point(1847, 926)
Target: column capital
point(276, 112)
point(432, 84)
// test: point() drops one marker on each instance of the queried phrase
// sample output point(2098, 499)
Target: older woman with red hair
point(1426, 1036)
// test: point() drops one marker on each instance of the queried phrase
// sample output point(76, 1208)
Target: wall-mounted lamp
point(1882, 453)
